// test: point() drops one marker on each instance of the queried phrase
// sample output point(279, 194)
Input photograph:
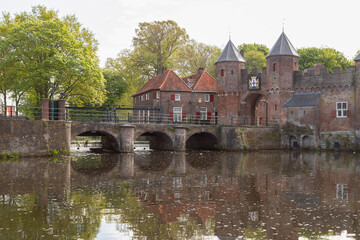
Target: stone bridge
point(121, 137)
point(39, 137)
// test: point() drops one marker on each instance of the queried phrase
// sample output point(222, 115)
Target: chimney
point(200, 70)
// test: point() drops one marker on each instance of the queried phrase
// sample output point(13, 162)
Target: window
point(342, 191)
point(222, 72)
point(177, 97)
point(232, 72)
point(147, 96)
point(142, 97)
point(275, 107)
point(203, 113)
point(177, 114)
point(274, 67)
point(177, 182)
point(207, 97)
point(341, 109)
point(157, 95)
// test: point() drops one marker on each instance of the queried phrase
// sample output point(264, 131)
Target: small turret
point(228, 68)
point(282, 61)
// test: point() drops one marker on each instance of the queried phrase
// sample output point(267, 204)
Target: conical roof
point(357, 58)
point(283, 46)
point(230, 54)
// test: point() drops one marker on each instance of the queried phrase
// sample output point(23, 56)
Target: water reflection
point(162, 195)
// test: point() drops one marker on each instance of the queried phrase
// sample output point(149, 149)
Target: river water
point(193, 195)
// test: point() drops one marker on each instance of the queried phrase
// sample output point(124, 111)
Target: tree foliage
point(42, 44)
point(154, 45)
point(115, 87)
point(254, 55)
point(195, 55)
point(329, 57)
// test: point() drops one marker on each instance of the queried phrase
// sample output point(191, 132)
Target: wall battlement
point(320, 78)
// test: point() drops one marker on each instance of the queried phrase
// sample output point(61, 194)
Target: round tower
point(228, 82)
point(282, 61)
point(228, 69)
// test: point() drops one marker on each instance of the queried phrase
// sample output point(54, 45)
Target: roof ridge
point(198, 80)
point(166, 77)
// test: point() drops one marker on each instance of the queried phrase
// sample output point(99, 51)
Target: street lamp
point(52, 81)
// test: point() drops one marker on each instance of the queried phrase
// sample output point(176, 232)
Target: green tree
point(133, 76)
point(329, 57)
point(115, 86)
point(196, 55)
point(154, 45)
point(42, 44)
point(254, 55)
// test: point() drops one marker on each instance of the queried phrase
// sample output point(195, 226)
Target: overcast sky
point(308, 23)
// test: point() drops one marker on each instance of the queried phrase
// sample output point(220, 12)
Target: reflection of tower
point(179, 162)
point(126, 165)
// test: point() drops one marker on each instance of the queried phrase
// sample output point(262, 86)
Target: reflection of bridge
point(278, 193)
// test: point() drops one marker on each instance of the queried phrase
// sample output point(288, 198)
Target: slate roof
point(303, 100)
point(201, 82)
point(357, 58)
point(167, 81)
point(283, 46)
point(230, 54)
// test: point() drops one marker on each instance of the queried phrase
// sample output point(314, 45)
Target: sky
point(307, 23)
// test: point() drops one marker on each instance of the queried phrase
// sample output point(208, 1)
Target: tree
point(115, 87)
point(254, 55)
point(42, 44)
point(154, 45)
point(133, 76)
point(329, 57)
point(195, 55)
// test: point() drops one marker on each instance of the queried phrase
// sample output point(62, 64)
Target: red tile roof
point(202, 81)
point(167, 81)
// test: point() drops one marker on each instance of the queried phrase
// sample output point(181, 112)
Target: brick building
point(281, 93)
point(178, 99)
point(325, 103)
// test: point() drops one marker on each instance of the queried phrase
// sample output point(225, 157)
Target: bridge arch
point(108, 139)
point(158, 140)
point(202, 141)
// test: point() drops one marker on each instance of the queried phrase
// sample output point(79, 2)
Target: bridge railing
point(140, 117)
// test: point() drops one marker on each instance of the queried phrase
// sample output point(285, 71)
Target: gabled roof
point(283, 46)
point(357, 58)
point(201, 81)
point(230, 54)
point(303, 100)
point(167, 81)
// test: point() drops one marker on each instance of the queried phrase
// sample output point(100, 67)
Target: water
point(196, 195)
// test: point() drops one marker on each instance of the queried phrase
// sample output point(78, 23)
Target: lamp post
point(52, 81)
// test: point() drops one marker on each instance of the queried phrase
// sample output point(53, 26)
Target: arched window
point(274, 67)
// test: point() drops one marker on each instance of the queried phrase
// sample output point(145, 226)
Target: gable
point(174, 83)
point(205, 83)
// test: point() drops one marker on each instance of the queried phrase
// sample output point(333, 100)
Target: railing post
point(61, 109)
point(44, 109)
